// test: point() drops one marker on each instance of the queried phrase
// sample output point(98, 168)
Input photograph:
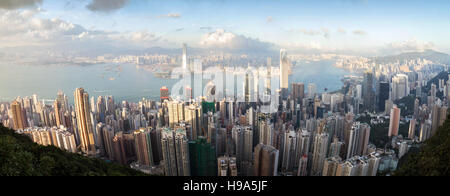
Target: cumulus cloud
point(228, 40)
point(325, 32)
point(106, 5)
point(412, 45)
point(359, 32)
point(23, 28)
point(15, 4)
point(171, 15)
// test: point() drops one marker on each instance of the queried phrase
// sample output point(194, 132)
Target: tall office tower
point(320, 153)
point(298, 92)
point(425, 131)
point(368, 91)
point(184, 66)
point(412, 129)
point(193, 116)
point(249, 90)
point(330, 166)
point(394, 121)
point(266, 160)
point(374, 162)
point(226, 166)
point(242, 137)
point(358, 139)
point(19, 120)
point(110, 106)
point(176, 112)
point(84, 121)
point(284, 73)
point(202, 157)
point(383, 95)
point(101, 107)
point(266, 132)
point(289, 151)
point(175, 152)
point(346, 169)
point(143, 143)
point(438, 116)
point(268, 77)
point(400, 86)
point(164, 93)
point(312, 88)
point(335, 148)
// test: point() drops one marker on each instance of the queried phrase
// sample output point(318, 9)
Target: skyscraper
point(164, 93)
point(298, 91)
point(284, 73)
point(320, 153)
point(383, 95)
point(368, 91)
point(400, 86)
point(85, 128)
point(358, 139)
point(143, 143)
point(394, 121)
point(184, 66)
point(175, 152)
point(266, 160)
point(202, 158)
point(18, 116)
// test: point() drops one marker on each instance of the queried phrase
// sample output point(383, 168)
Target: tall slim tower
point(284, 72)
point(184, 56)
point(85, 129)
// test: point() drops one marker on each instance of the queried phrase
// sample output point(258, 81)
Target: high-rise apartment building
point(84, 121)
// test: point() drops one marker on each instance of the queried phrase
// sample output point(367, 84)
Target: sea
point(127, 81)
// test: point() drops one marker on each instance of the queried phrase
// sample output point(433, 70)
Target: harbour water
point(126, 81)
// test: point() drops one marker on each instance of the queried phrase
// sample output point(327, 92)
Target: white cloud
point(106, 5)
point(23, 28)
point(228, 40)
point(171, 15)
point(412, 45)
point(325, 32)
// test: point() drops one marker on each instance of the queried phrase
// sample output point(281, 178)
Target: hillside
point(19, 156)
point(431, 55)
point(431, 159)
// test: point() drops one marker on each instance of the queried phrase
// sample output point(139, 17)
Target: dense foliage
point(19, 156)
point(431, 159)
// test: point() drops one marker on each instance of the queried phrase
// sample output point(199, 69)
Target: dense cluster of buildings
point(309, 134)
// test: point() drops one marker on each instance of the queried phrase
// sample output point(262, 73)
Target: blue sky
point(333, 25)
